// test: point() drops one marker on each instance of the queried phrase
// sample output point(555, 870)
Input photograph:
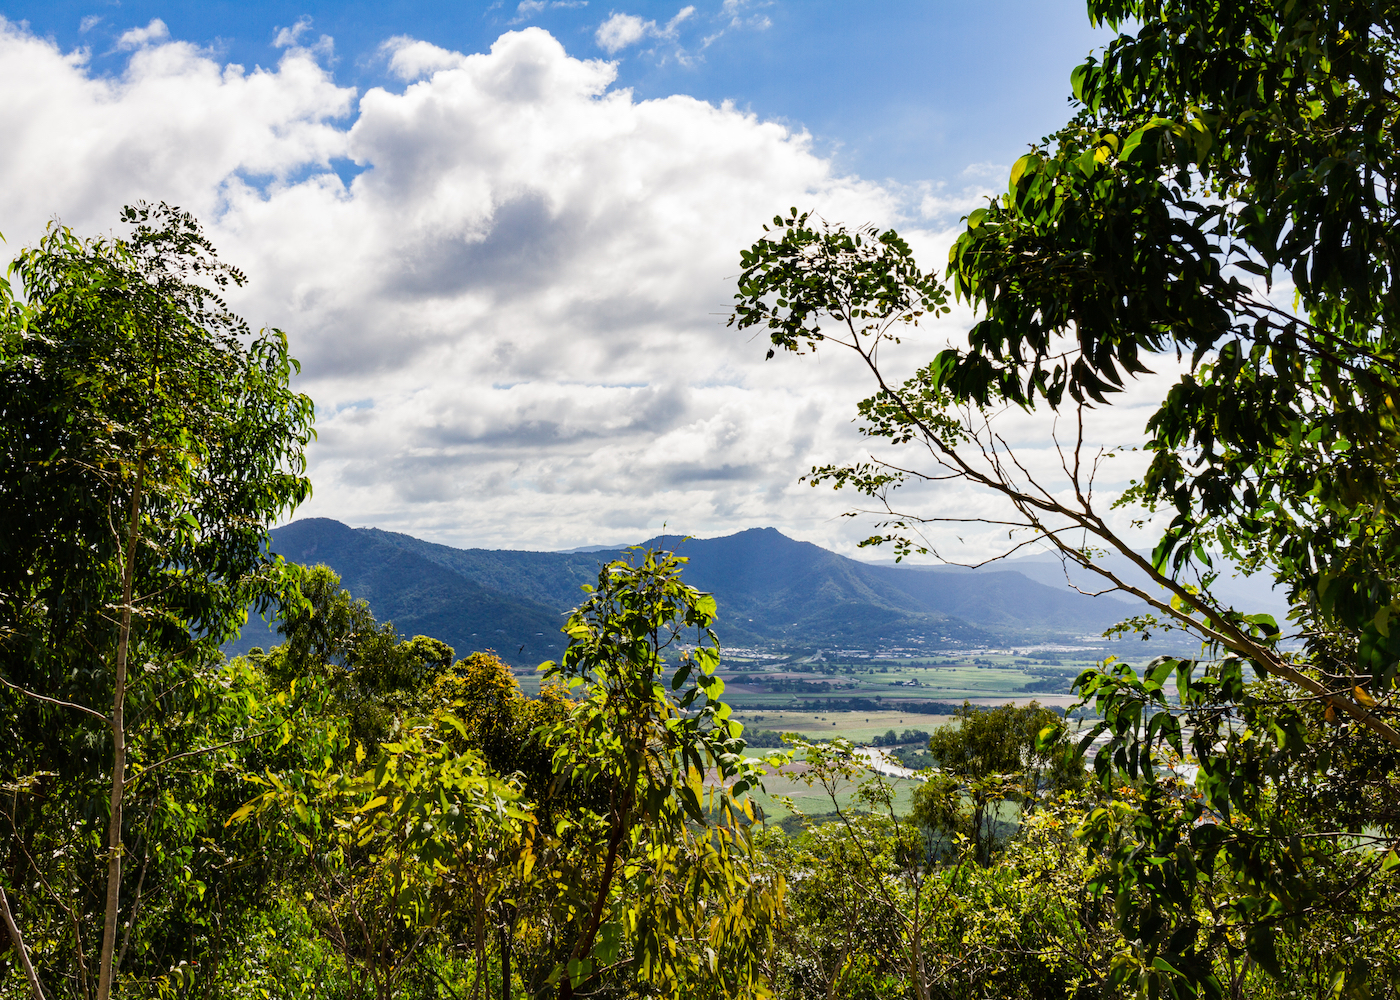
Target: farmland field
point(813, 800)
point(804, 682)
point(858, 727)
point(860, 700)
point(987, 678)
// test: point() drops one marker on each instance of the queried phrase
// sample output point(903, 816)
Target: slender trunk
point(114, 821)
point(584, 945)
point(23, 952)
point(503, 944)
point(920, 973)
point(136, 896)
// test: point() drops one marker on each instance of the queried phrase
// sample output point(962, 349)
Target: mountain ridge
point(772, 591)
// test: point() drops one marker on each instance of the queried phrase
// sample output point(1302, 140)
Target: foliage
point(1024, 927)
point(1029, 925)
point(888, 889)
point(125, 376)
point(509, 731)
point(391, 848)
point(373, 674)
point(149, 439)
point(891, 739)
point(650, 872)
point(1224, 158)
point(566, 841)
point(838, 940)
point(989, 757)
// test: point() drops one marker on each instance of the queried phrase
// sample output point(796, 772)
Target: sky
point(503, 238)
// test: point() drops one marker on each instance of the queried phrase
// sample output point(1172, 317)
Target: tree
point(373, 675)
point(652, 871)
point(390, 849)
point(149, 439)
point(992, 756)
point(889, 887)
point(1220, 153)
point(509, 731)
point(838, 939)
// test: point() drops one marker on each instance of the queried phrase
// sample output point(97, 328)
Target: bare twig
point(1212, 625)
point(56, 701)
point(18, 941)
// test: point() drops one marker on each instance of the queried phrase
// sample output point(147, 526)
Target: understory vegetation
point(358, 814)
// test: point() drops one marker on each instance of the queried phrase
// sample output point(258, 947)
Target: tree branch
point(15, 937)
point(55, 701)
point(194, 753)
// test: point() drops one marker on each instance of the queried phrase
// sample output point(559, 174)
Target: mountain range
point(773, 592)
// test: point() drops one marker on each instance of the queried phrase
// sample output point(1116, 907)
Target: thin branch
point(18, 941)
point(194, 753)
point(1212, 625)
point(55, 701)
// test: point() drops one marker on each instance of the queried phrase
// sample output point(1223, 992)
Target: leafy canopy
point(1222, 200)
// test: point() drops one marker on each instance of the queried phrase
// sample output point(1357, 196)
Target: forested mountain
point(771, 590)
point(1248, 594)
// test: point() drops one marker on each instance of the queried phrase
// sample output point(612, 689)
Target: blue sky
point(894, 89)
point(502, 239)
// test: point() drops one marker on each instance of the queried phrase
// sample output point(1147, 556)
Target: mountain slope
point(419, 597)
point(797, 585)
point(772, 591)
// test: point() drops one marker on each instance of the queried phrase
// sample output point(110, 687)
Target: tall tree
point(149, 440)
point(1223, 196)
point(652, 867)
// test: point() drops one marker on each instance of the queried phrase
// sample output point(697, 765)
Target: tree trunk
point(584, 945)
point(23, 952)
point(503, 943)
point(114, 821)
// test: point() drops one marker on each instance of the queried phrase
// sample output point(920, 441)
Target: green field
point(758, 684)
point(980, 678)
point(786, 696)
point(813, 799)
point(858, 727)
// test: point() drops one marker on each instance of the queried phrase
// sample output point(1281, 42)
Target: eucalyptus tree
point(1222, 201)
point(148, 440)
point(649, 875)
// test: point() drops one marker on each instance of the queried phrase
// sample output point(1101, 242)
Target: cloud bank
point(507, 284)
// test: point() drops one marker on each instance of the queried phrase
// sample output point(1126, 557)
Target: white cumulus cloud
point(411, 59)
point(136, 38)
point(512, 318)
point(621, 30)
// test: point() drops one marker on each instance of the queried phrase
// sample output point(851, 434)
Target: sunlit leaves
point(655, 861)
point(803, 274)
point(134, 407)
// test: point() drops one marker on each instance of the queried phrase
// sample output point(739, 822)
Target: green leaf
point(1024, 165)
